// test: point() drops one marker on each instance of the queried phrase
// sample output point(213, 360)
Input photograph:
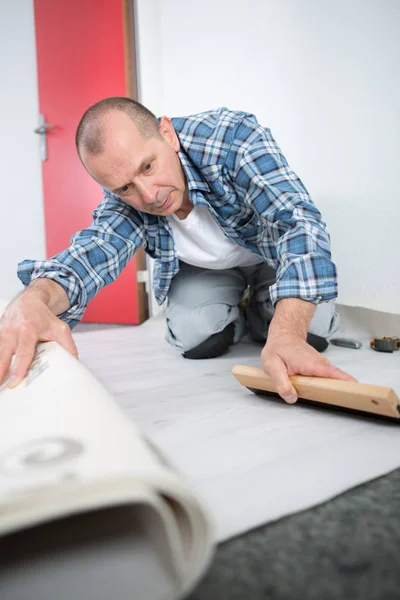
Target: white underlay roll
point(88, 507)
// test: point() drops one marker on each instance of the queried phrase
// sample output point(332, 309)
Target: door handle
point(42, 130)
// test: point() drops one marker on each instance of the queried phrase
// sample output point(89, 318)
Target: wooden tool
point(361, 398)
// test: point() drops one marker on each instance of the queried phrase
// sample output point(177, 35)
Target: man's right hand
point(30, 319)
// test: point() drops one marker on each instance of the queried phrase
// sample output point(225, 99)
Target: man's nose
point(147, 191)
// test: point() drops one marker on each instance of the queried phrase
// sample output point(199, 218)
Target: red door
point(82, 55)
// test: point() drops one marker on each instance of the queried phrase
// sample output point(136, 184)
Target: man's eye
point(147, 167)
point(124, 189)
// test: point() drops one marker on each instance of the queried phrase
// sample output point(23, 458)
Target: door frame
point(131, 77)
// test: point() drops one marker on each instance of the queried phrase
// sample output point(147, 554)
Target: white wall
point(324, 76)
point(21, 214)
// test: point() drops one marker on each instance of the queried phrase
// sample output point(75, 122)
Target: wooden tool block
point(373, 400)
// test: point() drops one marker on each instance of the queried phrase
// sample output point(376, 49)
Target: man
point(213, 200)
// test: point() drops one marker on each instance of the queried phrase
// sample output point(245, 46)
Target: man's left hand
point(287, 353)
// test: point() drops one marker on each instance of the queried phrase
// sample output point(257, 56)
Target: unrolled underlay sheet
point(253, 460)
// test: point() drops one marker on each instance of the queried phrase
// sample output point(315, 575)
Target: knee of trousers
point(188, 328)
point(325, 321)
point(214, 346)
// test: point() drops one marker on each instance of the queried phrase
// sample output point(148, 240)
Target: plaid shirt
point(234, 167)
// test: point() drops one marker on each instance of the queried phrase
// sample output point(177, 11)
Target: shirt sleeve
point(95, 257)
point(293, 224)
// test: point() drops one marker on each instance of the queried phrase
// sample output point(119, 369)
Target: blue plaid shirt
point(234, 167)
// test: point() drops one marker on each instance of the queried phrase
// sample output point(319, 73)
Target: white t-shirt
point(200, 242)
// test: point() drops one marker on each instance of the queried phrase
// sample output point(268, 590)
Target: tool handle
point(352, 395)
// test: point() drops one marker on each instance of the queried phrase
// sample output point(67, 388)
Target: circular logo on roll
point(41, 454)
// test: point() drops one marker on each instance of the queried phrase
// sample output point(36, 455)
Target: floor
point(346, 549)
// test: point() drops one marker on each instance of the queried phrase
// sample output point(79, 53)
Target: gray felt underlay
point(346, 549)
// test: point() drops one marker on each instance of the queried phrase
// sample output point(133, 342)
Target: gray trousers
point(202, 302)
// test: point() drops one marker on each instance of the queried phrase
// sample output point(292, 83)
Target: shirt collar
point(194, 178)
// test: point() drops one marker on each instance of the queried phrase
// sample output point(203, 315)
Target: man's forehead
point(118, 162)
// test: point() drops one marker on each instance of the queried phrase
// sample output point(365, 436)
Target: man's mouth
point(164, 204)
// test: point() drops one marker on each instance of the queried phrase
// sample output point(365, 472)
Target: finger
point(6, 354)
point(277, 370)
point(64, 337)
point(23, 359)
point(8, 343)
point(332, 372)
point(337, 373)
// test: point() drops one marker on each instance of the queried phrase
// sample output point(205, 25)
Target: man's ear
point(167, 132)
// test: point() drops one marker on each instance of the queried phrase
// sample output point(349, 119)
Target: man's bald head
point(90, 134)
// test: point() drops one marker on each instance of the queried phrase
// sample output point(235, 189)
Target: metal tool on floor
point(346, 343)
point(385, 344)
point(348, 396)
